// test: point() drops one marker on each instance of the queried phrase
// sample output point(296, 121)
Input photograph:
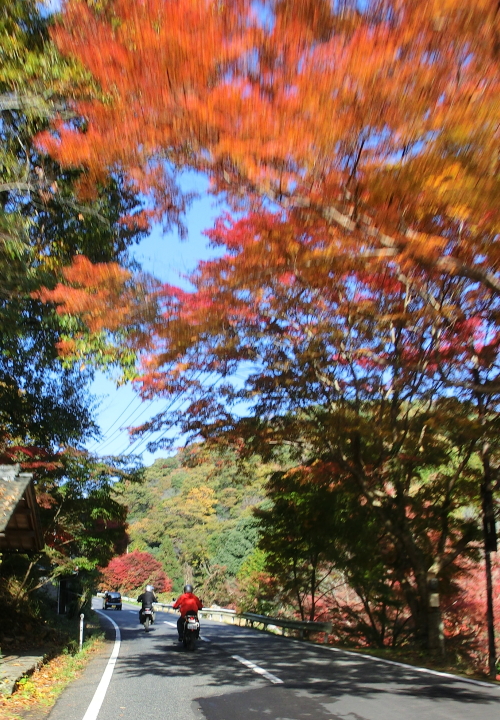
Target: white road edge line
point(415, 668)
point(100, 693)
point(166, 622)
point(205, 639)
point(257, 669)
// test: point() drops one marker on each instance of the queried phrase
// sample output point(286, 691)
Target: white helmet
point(149, 588)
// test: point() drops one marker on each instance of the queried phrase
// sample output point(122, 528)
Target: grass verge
point(36, 694)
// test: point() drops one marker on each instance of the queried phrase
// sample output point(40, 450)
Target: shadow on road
point(301, 665)
point(318, 683)
point(277, 703)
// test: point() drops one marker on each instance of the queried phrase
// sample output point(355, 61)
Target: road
point(241, 674)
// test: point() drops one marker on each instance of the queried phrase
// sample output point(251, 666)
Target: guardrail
point(305, 628)
point(210, 613)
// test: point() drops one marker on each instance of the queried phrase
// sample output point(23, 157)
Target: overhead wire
point(147, 437)
point(134, 416)
point(98, 442)
point(133, 448)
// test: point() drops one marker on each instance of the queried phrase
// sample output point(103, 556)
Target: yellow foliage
point(200, 502)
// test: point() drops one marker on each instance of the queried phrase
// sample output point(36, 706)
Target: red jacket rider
point(185, 603)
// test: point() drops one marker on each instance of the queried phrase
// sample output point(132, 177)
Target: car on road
point(112, 600)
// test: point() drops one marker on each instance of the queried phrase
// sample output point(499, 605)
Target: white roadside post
point(81, 630)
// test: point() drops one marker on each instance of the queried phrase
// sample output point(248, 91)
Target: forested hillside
point(194, 514)
point(271, 537)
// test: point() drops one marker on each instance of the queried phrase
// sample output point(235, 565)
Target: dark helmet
point(188, 588)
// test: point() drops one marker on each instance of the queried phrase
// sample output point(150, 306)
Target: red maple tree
point(131, 572)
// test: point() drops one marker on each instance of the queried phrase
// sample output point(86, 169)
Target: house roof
point(19, 522)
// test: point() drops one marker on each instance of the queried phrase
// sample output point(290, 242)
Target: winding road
point(241, 674)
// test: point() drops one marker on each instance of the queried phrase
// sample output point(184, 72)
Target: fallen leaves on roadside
point(36, 694)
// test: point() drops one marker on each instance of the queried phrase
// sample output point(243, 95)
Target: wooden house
point(19, 521)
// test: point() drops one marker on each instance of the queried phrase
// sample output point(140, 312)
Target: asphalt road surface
point(241, 674)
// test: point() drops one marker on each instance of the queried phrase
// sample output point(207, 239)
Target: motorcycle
point(191, 630)
point(147, 617)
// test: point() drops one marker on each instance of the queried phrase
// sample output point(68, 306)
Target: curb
point(14, 667)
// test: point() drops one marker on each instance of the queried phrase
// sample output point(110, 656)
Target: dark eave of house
point(19, 521)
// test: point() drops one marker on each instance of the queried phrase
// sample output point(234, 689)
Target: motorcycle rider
point(186, 602)
point(147, 598)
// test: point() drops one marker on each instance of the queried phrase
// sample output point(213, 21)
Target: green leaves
point(44, 223)
point(81, 516)
point(194, 514)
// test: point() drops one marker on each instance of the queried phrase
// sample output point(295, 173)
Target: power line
point(120, 416)
point(106, 441)
point(134, 447)
point(147, 437)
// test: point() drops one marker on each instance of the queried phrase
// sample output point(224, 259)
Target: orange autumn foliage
point(95, 292)
point(381, 120)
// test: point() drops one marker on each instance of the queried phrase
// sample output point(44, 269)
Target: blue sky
point(168, 258)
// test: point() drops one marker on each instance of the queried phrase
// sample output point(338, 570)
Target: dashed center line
point(258, 669)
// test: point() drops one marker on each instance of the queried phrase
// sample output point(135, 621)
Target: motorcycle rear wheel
point(147, 623)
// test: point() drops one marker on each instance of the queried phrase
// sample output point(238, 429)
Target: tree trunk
point(188, 574)
point(435, 618)
point(489, 533)
point(312, 610)
point(490, 545)
point(425, 608)
point(492, 670)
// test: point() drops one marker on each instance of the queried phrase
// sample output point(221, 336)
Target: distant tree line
point(281, 540)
